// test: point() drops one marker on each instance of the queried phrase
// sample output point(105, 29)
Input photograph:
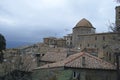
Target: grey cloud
point(31, 20)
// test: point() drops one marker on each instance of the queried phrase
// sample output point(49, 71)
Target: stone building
point(85, 37)
point(82, 27)
point(80, 66)
point(55, 42)
point(68, 39)
point(61, 42)
point(51, 41)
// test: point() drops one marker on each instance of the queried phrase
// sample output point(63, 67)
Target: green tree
point(2, 47)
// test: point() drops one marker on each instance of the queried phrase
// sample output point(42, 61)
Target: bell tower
point(117, 22)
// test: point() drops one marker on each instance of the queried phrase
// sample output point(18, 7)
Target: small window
point(95, 37)
point(103, 38)
point(80, 45)
point(37, 55)
point(103, 47)
point(110, 56)
point(107, 54)
point(113, 37)
point(74, 75)
point(83, 61)
point(88, 45)
point(119, 15)
point(95, 45)
point(119, 12)
point(43, 54)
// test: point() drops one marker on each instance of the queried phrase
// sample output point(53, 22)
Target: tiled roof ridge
point(84, 53)
point(75, 57)
point(99, 59)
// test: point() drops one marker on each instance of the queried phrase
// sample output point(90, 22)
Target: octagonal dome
point(84, 23)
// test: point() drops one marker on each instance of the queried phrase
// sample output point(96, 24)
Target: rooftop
point(75, 61)
point(55, 55)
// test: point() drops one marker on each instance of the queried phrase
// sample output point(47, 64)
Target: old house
point(80, 66)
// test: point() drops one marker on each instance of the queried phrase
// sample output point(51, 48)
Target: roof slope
point(75, 61)
point(84, 23)
point(54, 56)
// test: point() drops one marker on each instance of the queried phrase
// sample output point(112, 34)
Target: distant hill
point(15, 44)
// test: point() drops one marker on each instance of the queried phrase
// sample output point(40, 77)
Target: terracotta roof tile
point(54, 56)
point(90, 62)
point(75, 61)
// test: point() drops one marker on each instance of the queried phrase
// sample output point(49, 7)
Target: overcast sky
point(31, 20)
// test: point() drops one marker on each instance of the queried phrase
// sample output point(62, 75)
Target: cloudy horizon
point(31, 20)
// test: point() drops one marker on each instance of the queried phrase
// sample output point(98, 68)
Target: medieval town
point(80, 55)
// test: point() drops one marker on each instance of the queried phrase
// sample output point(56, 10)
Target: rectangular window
point(110, 56)
point(95, 45)
point(103, 38)
point(95, 37)
point(80, 45)
point(88, 45)
point(119, 15)
point(83, 61)
point(113, 37)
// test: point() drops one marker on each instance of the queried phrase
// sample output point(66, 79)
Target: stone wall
point(46, 74)
point(93, 74)
point(73, 74)
point(105, 43)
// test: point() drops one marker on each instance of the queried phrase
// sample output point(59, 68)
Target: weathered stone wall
point(87, 74)
point(81, 31)
point(73, 74)
point(46, 74)
point(105, 43)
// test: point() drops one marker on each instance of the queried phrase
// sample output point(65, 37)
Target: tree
point(112, 27)
point(20, 65)
point(2, 47)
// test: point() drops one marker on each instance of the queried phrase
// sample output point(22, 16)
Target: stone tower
point(83, 27)
point(117, 22)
